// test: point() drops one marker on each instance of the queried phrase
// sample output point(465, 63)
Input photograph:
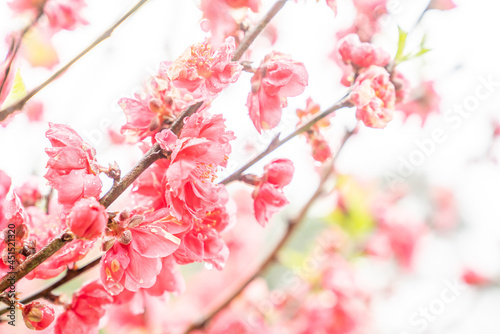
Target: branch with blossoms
point(10, 109)
point(292, 226)
point(178, 212)
point(148, 159)
point(156, 153)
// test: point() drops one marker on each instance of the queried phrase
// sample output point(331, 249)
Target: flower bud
point(87, 219)
point(280, 172)
point(38, 315)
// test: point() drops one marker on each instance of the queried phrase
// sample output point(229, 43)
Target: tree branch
point(34, 260)
point(275, 143)
point(105, 35)
point(155, 153)
point(251, 36)
point(15, 47)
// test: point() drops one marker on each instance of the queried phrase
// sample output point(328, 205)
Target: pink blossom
point(373, 7)
point(333, 5)
point(134, 261)
point(116, 137)
point(203, 146)
point(472, 277)
point(72, 168)
point(423, 101)
point(366, 23)
point(5, 184)
point(34, 110)
point(156, 106)
point(252, 4)
point(62, 14)
point(442, 4)
point(445, 216)
point(38, 315)
point(85, 311)
point(203, 242)
point(360, 54)
point(87, 219)
point(168, 280)
point(14, 213)
point(43, 229)
point(203, 71)
point(320, 148)
point(218, 17)
point(401, 236)
point(374, 96)
point(277, 78)
point(402, 86)
point(268, 195)
point(166, 140)
point(6, 82)
point(28, 193)
point(149, 189)
point(76, 185)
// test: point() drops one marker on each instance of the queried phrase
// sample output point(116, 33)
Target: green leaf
point(356, 219)
point(401, 43)
point(401, 56)
point(292, 258)
point(17, 92)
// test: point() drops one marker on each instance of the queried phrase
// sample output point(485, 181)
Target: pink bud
point(280, 172)
point(88, 218)
point(362, 54)
point(38, 315)
point(472, 277)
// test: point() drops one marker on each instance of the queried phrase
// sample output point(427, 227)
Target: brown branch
point(251, 36)
point(34, 260)
point(275, 143)
point(70, 274)
point(17, 106)
point(292, 226)
point(155, 153)
point(15, 47)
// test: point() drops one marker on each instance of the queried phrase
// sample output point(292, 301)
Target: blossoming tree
point(179, 206)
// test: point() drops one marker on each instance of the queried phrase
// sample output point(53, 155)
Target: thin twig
point(252, 35)
point(275, 143)
point(105, 35)
point(34, 260)
point(16, 45)
point(70, 274)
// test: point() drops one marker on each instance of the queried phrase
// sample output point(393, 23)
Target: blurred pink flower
point(277, 78)
point(374, 96)
point(268, 194)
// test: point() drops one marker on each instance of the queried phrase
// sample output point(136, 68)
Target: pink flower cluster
point(180, 214)
point(277, 78)
point(359, 54)
point(424, 101)
point(221, 19)
point(200, 74)
point(268, 194)
point(61, 14)
point(85, 310)
point(321, 150)
point(374, 97)
point(366, 22)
